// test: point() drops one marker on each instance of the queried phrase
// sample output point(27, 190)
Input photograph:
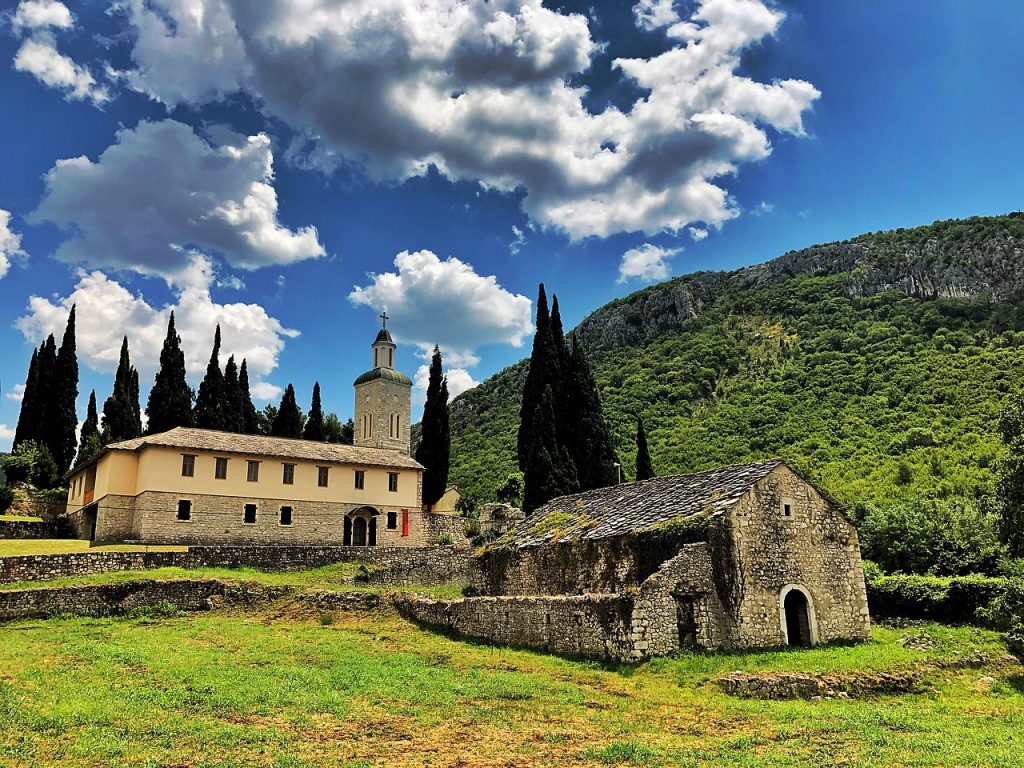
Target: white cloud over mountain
point(161, 192)
point(484, 92)
point(647, 263)
point(10, 243)
point(107, 310)
point(447, 303)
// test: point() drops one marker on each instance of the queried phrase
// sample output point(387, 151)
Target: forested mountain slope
point(879, 365)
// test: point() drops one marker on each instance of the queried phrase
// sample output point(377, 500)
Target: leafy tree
point(90, 440)
point(265, 419)
point(233, 414)
point(644, 467)
point(434, 450)
point(942, 537)
point(249, 418)
point(211, 401)
point(511, 491)
point(62, 428)
point(32, 462)
point(170, 399)
point(548, 469)
point(122, 418)
point(338, 432)
point(28, 419)
point(1010, 486)
point(315, 428)
point(288, 421)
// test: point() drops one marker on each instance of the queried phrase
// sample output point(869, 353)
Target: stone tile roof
point(619, 509)
point(187, 438)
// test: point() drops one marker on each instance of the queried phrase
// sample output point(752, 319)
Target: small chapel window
point(787, 507)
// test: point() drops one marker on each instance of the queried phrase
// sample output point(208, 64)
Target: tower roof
point(383, 373)
point(384, 336)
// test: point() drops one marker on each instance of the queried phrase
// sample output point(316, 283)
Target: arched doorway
point(799, 628)
point(359, 532)
point(361, 527)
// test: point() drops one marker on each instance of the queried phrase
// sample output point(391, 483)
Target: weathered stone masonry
point(394, 565)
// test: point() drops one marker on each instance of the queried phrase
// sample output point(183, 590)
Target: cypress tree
point(558, 334)
point(542, 372)
point(121, 413)
point(170, 399)
point(288, 420)
point(315, 428)
point(63, 423)
point(249, 419)
point(232, 397)
point(644, 468)
point(44, 408)
point(210, 401)
point(582, 426)
point(548, 470)
point(28, 419)
point(89, 440)
point(434, 450)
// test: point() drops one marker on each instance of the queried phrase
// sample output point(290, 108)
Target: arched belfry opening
point(796, 611)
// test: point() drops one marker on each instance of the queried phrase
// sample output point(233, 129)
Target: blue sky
point(509, 136)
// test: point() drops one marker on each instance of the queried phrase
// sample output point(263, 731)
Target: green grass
point(331, 577)
point(16, 547)
point(235, 689)
point(20, 519)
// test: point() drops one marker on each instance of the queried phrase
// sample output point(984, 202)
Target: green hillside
point(878, 365)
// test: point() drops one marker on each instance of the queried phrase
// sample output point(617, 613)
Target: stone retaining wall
point(34, 529)
point(391, 565)
point(596, 625)
point(797, 685)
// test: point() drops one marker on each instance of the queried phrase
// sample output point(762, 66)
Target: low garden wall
point(387, 565)
point(596, 625)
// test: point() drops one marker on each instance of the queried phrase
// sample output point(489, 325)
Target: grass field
point(13, 547)
point(225, 689)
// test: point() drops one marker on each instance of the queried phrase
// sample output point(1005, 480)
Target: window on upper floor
point(253, 472)
point(367, 425)
point(394, 426)
point(288, 475)
point(322, 474)
point(286, 516)
point(188, 465)
point(360, 479)
point(220, 470)
point(392, 481)
point(249, 514)
point(184, 509)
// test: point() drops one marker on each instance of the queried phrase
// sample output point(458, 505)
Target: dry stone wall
point(427, 565)
point(33, 529)
point(585, 625)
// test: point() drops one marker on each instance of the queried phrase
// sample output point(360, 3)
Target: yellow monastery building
point(199, 486)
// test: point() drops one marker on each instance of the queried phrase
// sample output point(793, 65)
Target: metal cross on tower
point(384, 317)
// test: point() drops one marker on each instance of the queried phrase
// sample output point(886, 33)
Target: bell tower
point(383, 399)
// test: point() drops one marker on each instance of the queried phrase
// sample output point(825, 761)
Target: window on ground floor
point(286, 515)
point(184, 509)
point(392, 521)
point(250, 514)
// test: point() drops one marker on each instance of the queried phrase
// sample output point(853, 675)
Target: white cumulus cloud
point(647, 263)
point(445, 302)
point(39, 14)
point(484, 91)
point(39, 57)
point(10, 243)
point(16, 394)
point(107, 310)
point(698, 233)
point(161, 191)
point(6, 437)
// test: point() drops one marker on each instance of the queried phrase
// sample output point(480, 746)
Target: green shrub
point(32, 462)
point(944, 537)
point(956, 599)
point(445, 540)
point(872, 572)
point(6, 498)
point(325, 619)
